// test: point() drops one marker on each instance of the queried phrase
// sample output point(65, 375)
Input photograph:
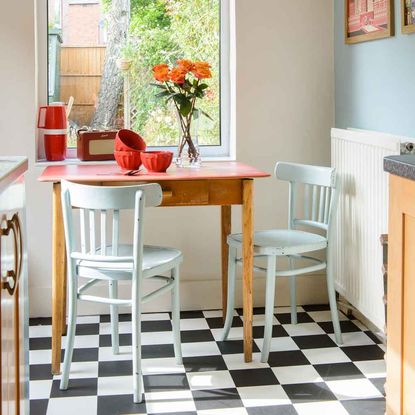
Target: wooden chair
point(112, 262)
point(318, 188)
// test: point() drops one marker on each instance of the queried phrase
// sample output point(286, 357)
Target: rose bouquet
point(183, 85)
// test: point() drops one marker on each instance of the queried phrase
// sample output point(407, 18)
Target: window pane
point(82, 37)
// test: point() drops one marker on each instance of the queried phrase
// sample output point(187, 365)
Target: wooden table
point(215, 184)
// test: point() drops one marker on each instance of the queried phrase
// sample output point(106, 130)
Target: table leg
point(58, 278)
point(247, 260)
point(226, 212)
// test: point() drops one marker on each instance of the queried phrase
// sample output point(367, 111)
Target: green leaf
point(203, 86)
point(185, 107)
point(206, 114)
point(161, 86)
point(163, 94)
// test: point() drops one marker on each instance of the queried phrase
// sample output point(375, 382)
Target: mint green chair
point(112, 262)
point(312, 205)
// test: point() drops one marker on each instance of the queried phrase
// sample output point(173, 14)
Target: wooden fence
point(81, 71)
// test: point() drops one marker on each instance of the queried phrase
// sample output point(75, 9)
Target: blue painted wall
point(375, 81)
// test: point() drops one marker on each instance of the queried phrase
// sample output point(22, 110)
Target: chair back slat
point(82, 222)
point(92, 244)
point(103, 232)
point(306, 201)
point(321, 204)
point(314, 204)
point(316, 185)
point(115, 232)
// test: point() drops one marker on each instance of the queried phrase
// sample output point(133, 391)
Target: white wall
point(284, 112)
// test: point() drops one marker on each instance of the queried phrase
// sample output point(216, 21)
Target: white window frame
point(224, 151)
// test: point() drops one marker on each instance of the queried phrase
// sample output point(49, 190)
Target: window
point(86, 38)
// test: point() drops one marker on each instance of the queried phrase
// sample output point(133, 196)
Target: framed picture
point(368, 20)
point(408, 16)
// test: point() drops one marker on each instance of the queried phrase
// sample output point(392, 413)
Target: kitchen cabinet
point(14, 391)
point(400, 356)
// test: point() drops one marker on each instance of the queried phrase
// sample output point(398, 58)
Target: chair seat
point(282, 242)
point(156, 259)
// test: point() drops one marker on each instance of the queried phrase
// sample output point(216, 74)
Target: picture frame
point(408, 16)
point(366, 20)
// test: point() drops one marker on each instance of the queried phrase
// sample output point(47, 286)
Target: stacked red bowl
point(128, 148)
point(156, 161)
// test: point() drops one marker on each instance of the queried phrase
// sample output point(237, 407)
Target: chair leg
point(231, 292)
point(113, 292)
point(333, 303)
point(136, 342)
point(175, 303)
point(269, 306)
point(293, 294)
point(70, 336)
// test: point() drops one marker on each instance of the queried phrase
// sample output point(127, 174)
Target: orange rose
point(177, 75)
point(186, 64)
point(201, 70)
point(161, 72)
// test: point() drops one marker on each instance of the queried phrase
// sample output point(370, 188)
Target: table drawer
point(185, 193)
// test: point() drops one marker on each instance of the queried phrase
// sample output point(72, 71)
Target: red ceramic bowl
point(128, 160)
point(156, 161)
point(127, 140)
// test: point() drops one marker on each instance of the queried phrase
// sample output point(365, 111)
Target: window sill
point(74, 161)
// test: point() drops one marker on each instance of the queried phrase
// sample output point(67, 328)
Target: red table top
point(111, 172)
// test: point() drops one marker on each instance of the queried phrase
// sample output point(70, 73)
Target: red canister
point(53, 121)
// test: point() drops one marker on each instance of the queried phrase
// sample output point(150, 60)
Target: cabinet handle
point(11, 280)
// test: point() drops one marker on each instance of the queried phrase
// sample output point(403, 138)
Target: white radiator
point(362, 216)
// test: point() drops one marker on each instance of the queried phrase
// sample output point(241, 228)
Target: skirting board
point(194, 295)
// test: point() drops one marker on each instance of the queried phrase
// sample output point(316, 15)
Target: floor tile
point(220, 379)
point(204, 363)
point(279, 344)
point(285, 318)
point(346, 326)
point(379, 384)
point(200, 349)
point(115, 385)
point(287, 375)
point(83, 370)
point(40, 372)
point(167, 402)
point(272, 410)
point(166, 382)
point(339, 371)
point(38, 406)
point(190, 336)
point(253, 377)
point(217, 322)
point(365, 406)
point(73, 405)
point(356, 353)
point(291, 358)
point(326, 355)
point(115, 368)
point(193, 324)
point(157, 325)
point(324, 315)
point(153, 351)
point(321, 408)
point(303, 329)
point(309, 392)
point(266, 395)
point(314, 341)
point(372, 368)
point(77, 387)
point(355, 339)
point(217, 399)
point(353, 389)
point(234, 346)
point(228, 411)
point(237, 361)
point(166, 365)
point(119, 405)
point(40, 389)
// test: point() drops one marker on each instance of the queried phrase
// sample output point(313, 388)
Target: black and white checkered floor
point(307, 374)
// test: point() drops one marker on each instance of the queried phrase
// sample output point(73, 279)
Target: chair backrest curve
point(316, 186)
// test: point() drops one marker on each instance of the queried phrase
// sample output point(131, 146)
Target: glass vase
point(188, 151)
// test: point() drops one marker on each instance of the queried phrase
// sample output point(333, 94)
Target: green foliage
point(162, 31)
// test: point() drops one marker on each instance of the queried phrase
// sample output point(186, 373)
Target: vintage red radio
point(95, 145)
